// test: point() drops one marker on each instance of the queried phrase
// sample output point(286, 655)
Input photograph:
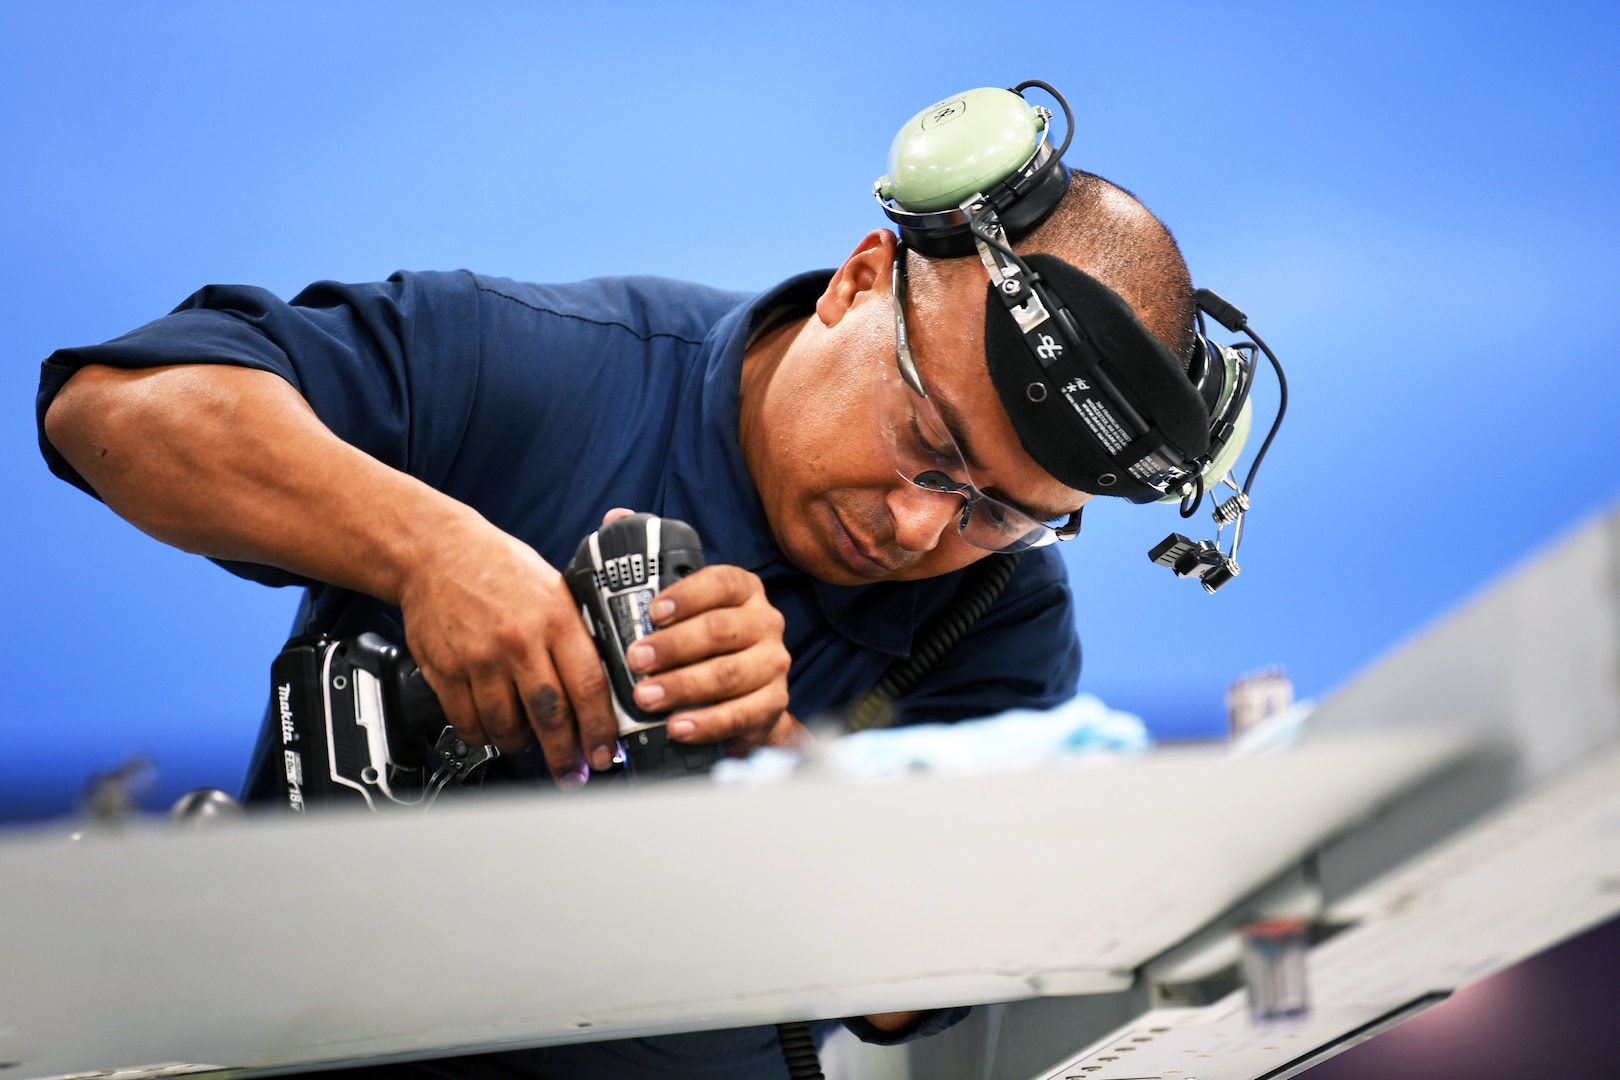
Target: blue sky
point(1414, 203)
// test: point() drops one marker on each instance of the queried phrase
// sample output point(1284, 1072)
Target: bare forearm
point(230, 462)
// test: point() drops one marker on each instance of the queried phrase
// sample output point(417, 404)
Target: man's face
point(810, 436)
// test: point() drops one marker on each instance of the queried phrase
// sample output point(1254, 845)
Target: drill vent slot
point(627, 571)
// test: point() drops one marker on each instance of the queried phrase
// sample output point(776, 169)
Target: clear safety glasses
point(924, 453)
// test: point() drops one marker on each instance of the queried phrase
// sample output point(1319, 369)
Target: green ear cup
point(959, 147)
point(1223, 461)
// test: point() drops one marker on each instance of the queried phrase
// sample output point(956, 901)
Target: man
point(423, 454)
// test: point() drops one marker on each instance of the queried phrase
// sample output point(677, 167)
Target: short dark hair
point(1104, 230)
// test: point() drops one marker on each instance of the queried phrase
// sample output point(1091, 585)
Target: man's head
point(1105, 231)
point(836, 504)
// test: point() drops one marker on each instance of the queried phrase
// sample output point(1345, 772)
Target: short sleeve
point(390, 367)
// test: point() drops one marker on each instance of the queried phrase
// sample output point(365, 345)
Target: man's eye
point(1005, 519)
point(997, 515)
point(922, 441)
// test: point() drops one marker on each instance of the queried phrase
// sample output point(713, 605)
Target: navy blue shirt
point(542, 406)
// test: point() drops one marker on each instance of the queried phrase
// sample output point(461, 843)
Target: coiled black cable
point(981, 585)
point(799, 1050)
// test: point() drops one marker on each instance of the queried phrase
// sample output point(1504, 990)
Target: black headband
point(1069, 425)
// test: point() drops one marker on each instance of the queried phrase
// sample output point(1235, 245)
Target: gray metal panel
point(1535, 873)
point(352, 939)
point(1532, 667)
point(1535, 659)
point(553, 919)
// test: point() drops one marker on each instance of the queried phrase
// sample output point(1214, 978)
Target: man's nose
point(922, 516)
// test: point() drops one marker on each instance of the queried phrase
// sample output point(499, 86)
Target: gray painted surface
point(304, 942)
point(1534, 659)
point(296, 943)
point(1510, 849)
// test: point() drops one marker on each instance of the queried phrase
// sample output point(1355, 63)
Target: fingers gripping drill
point(357, 724)
point(614, 576)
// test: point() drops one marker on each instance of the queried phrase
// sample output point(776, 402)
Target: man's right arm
point(232, 463)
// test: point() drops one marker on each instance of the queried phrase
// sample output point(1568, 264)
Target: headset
point(1096, 399)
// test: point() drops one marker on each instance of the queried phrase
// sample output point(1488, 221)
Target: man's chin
point(823, 548)
point(826, 563)
point(851, 555)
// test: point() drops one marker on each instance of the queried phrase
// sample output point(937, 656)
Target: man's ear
point(869, 266)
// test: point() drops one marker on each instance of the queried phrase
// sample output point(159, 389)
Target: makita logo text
point(289, 734)
point(292, 760)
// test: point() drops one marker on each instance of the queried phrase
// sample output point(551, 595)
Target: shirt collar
point(707, 483)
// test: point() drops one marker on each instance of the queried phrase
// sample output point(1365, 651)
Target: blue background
point(1416, 207)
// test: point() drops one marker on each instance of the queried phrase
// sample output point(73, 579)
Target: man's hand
point(716, 662)
point(892, 1021)
point(500, 640)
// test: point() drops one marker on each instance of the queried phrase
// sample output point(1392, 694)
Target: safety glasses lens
point(922, 451)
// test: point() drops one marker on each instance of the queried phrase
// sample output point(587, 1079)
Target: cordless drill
point(357, 724)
